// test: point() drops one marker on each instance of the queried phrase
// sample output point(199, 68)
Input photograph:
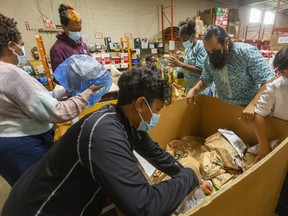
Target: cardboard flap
point(206, 117)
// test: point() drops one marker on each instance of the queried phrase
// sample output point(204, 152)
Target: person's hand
point(263, 151)
point(190, 98)
point(95, 88)
point(206, 187)
point(173, 61)
point(248, 114)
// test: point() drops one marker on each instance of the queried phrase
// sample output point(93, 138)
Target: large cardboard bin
point(255, 192)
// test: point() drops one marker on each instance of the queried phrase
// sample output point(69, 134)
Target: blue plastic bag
point(78, 72)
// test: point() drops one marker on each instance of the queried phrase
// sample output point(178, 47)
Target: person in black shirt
point(94, 160)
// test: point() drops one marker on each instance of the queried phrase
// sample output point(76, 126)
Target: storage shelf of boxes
point(119, 60)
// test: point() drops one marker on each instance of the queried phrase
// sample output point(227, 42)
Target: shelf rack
point(171, 6)
point(128, 49)
point(42, 52)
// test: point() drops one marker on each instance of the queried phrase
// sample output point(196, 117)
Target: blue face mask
point(21, 58)
point(143, 126)
point(74, 35)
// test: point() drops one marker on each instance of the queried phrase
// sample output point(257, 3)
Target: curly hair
point(143, 81)
point(8, 32)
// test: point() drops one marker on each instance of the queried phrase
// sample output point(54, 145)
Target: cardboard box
point(106, 59)
point(98, 57)
point(124, 58)
point(256, 191)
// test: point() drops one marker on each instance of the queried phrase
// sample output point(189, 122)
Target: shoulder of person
point(277, 83)
point(104, 115)
point(15, 70)
point(244, 49)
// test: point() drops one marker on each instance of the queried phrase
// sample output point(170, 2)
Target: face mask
point(74, 35)
point(21, 58)
point(188, 44)
point(143, 126)
point(285, 79)
point(218, 59)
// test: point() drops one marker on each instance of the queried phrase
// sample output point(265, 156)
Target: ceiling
point(267, 4)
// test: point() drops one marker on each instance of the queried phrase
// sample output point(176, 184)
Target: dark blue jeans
point(17, 154)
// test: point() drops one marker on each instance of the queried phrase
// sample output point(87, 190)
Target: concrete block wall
point(113, 18)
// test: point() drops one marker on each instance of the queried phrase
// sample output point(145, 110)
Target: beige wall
point(112, 17)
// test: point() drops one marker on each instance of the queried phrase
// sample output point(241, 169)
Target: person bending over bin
point(94, 160)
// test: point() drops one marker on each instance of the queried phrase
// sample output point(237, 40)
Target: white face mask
point(188, 44)
point(21, 58)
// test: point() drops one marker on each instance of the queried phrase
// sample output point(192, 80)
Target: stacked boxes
point(220, 16)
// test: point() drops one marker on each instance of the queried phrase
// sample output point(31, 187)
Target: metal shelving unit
point(275, 29)
point(171, 6)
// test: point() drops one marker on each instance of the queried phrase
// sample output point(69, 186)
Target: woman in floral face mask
point(195, 55)
point(27, 107)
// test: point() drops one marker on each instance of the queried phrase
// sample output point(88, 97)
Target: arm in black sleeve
point(112, 165)
point(155, 155)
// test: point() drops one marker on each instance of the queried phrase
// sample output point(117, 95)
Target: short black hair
point(281, 59)
point(187, 27)
point(8, 32)
point(218, 32)
point(143, 81)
